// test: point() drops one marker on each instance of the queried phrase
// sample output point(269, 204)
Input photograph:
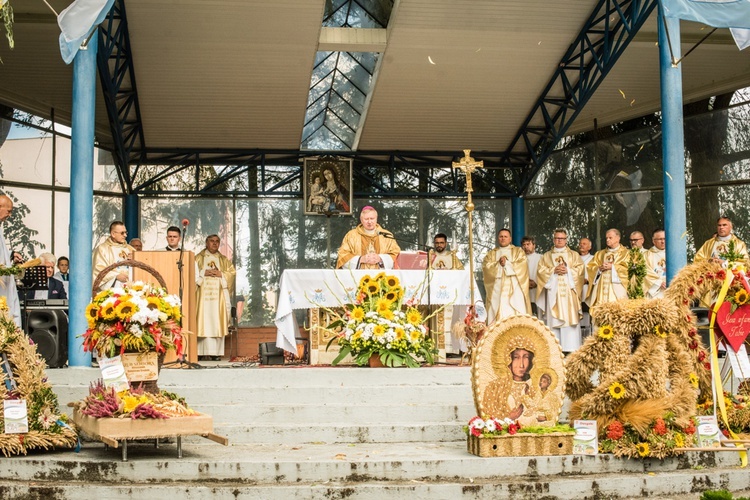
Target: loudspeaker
point(270, 354)
point(48, 329)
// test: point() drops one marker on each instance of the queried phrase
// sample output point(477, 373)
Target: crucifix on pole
point(467, 165)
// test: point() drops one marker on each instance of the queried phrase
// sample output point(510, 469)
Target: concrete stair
point(335, 433)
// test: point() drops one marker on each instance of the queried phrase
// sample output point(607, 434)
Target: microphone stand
point(180, 362)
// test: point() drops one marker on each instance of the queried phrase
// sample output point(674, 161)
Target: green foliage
point(636, 273)
point(716, 495)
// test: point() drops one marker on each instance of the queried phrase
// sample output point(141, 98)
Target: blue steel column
point(517, 219)
point(81, 198)
point(673, 147)
point(132, 210)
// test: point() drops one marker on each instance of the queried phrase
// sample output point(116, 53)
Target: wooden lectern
point(166, 263)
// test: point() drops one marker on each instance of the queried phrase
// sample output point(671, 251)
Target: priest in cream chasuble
point(368, 246)
point(560, 284)
point(608, 272)
point(113, 249)
point(506, 279)
point(215, 275)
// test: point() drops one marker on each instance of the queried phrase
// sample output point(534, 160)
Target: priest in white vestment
point(560, 278)
point(368, 246)
point(8, 283)
point(112, 250)
point(608, 272)
point(656, 260)
point(528, 244)
point(719, 244)
point(214, 277)
point(506, 279)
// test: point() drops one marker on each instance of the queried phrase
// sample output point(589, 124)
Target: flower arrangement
point(133, 403)
point(133, 318)
point(660, 439)
point(493, 427)
point(738, 412)
point(380, 323)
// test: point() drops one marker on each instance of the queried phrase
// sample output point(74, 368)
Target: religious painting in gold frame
point(327, 186)
point(518, 372)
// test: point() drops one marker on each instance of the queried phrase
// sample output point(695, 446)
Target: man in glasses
point(637, 240)
point(113, 249)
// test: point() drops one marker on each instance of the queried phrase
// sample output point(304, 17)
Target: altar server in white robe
point(560, 278)
point(656, 260)
point(215, 275)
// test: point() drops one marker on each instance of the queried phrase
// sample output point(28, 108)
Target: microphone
point(387, 234)
point(185, 223)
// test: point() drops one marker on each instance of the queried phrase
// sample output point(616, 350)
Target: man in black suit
point(55, 288)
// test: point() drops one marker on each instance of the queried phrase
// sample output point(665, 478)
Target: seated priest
point(368, 246)
point(55, 288)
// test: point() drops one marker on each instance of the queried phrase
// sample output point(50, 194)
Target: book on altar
point(412, 260)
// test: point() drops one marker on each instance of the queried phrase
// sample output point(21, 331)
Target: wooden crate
point(116, 431)
point(521, 445)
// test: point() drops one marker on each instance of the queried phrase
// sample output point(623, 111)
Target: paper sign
point(140, 367)
point(586, 440)
point(113, 373)
point(740, 362)
point(709, 435)
point(16, 416)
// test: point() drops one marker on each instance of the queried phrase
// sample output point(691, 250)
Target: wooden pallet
point(116, 431)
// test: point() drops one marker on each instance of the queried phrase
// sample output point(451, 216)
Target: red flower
point(707, 366)
point(709, 275)
point(690, 429)
point(725, 432)
point(512, 429)
point(721, 274)
point(615, 430)
point(686, 302)
point(691, 290)
point(701, 355)
point(475, 432)
point(700, 281)
point(692, 332)
point(660, 427)
point(693, 345)
point(689, 318)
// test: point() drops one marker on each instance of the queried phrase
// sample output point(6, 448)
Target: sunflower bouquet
point(133, 318)
point(380, 323)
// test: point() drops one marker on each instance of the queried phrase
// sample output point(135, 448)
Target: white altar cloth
point(313, 288)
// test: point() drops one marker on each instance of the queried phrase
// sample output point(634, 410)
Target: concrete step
point(336, 432)
point(284, 414)
point(396, 470)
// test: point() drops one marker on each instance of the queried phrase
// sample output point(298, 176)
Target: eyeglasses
point(120, 232)
point(636, 239)
point(659, 239)
point(560, 238)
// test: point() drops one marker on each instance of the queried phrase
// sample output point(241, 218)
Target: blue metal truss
point(589, 59)
point(117, 76)
point(603, 38)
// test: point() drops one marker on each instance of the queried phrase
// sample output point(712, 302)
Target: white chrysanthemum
point(136, 330)
point(490, 425)
point(145, 316)
point(172, 300)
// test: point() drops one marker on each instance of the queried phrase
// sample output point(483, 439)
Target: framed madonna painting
point(327, 186)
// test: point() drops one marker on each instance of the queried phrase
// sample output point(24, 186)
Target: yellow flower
point(387, 314)
point(606, 332)
point(373, 287)
point(130, 403)
point(364, 281)
point(176, 313)
point(3, 303)
point(379, 276)
point(357, 335)
point(400, 333)
point(358, 314)
point(643, 449)
point(617, 390)
point(415, 335)
point(679, 441)
point(125, 310)
point(694, 380)
point(382, 304)
point(741, 297)
point(92, 312)
point(153, 302)
point(378, 331)
point(391, 296)
point(101, 296)
point(391, 281)
point(413, 316)
point(660, 331)
point(108, 312)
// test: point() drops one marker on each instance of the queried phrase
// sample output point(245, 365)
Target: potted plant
point(380, 327)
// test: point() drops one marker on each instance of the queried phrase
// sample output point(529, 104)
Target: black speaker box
point(48, 329)
point(270, 354)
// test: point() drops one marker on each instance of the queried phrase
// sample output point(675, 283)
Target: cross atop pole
point(467, 165)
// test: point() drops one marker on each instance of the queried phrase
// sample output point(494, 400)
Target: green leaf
point(342, 354)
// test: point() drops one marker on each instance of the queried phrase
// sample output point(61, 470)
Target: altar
point(315, 288)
